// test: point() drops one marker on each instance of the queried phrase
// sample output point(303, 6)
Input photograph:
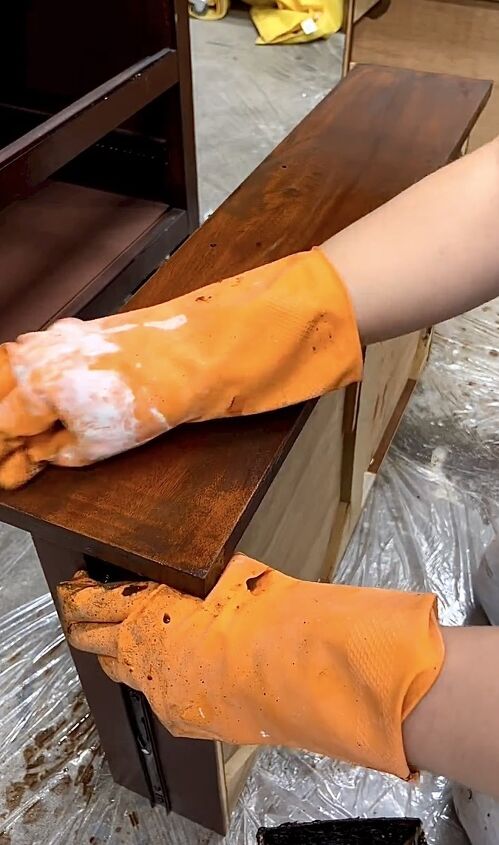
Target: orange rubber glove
point(268, 659)
point(81, 392)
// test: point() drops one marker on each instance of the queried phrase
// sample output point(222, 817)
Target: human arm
point(454, 731)
point(427, 255)
point(356, 673)
point(274, 336)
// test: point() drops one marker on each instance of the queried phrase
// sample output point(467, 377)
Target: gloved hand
point(267, 659)
point(83, 391)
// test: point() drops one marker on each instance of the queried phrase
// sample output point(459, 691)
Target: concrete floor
point(21, 575)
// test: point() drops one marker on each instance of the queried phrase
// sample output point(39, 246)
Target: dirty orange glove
point(83, 391)
point(267, 658)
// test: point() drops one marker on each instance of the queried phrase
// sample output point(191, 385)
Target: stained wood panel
point(440, 36)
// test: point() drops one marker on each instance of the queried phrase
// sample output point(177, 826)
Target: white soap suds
point(101, 408)
point(97, 405)
point(62, 340)
point(160, 418)
point(126, 327)
point(70, 341)
point(55, 372)
point(168, 325)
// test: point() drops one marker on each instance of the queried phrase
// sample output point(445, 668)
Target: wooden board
point(440, 36)
point(388, 367)
point(176, 509)
point(290, 530)
point(390, 373)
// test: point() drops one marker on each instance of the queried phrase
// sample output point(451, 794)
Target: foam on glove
point(83, 391)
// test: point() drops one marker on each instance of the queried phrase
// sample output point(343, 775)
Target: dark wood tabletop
point(175, 509)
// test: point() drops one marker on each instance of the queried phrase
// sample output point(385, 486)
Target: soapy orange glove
point(83, 391)
point(267, 659)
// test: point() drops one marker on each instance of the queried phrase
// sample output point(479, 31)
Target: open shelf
point(65, 245)
point(30, 159)
point(97, 154)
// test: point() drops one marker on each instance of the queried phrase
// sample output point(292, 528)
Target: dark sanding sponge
point(345, 832)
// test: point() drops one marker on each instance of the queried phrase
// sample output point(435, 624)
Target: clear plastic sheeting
point(55, 787)
point(303, 787)
point(451, 428)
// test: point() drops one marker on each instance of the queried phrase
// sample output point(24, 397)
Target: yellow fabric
point(216, 9)
point(284, 21)
point(296, 21)
point(268, 659)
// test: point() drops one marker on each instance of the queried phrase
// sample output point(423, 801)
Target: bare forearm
point(429, 254)
point(454, 731)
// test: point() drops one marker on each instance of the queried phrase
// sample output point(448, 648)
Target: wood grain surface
point(176, 509)
point(438, 36)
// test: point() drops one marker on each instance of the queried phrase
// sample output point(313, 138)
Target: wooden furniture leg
point(142, 755)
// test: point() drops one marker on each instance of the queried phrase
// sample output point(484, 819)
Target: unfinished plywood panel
point(290, 530)
point(390, 372)
point(444, 36)
point(307, 517)
point(388, 367)
point(236, 770)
